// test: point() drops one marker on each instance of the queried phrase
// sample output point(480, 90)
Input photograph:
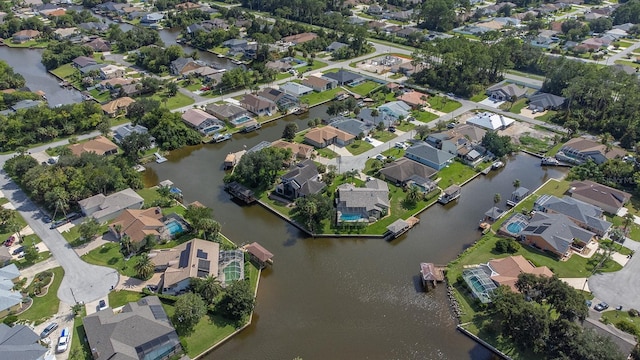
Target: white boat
point(220, 137)
point(550, 161)
point(497, 165)
point(159, 158)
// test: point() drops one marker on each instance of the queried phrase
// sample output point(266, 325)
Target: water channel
point(345, 298)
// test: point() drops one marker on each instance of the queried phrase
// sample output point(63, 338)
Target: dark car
point(73, 216)
point(451, 125)
point(102, 305)
point(48, 330)
point(46, 219)
point(18, 250)
point(10, 241)
point(392, 129)
point(601, 306)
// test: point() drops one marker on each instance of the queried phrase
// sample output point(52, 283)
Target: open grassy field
point(365, 88)
point(317, 98)
point(45, 307)
point(64, 71)
point(443, 103)
point(455, 173)
point(109, 255)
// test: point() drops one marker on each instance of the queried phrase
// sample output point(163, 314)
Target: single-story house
point(545, 101)
point(406, 172)
point(141, 330)
point(23, 36)
point(152, 18)
point(65, 33)
point(10, 300)
point(295, 89)
point(344, 77)
point(299, 38)
point(299, 151)
point(258, 105)
point(413, 98)
point(111, 84)
point(491, 121)
point(506, 92)
point(335, 46)
point(99, 145)
point(352, 126)
point(99, 45)
point(279, 65)
point(21, 342)
point(83, 61)
point(300, 181)
point(366, 115)
point(112, 108)
point(112, 71)
point(365, 204)
point(428, 155)
point(202, 121)
point(138, 223)
point(505, 271)
point(579, 150)
point(180, 66)
point(328, 135)
point(123, 131)
point(396, 109)
point(555, 233)
point(581, 213)
point(319, 84)
point(104, 208)
point(227, 112)
point(607, 198)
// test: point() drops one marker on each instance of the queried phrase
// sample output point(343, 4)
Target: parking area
point(93, 306)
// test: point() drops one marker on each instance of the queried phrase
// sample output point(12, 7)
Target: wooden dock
point(399, 227)
point(431, 274)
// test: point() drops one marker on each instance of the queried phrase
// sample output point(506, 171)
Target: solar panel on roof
point(541, 229)
point(158, 312)
point(201, 254)
point(530, 228)
point(204, 265)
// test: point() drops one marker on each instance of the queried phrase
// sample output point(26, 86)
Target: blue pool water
point(347, 217)
point(240, 120)
point(515, 227)
point(174, 227)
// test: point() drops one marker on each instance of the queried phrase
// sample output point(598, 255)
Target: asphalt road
point(619, 288)
point(82, 282)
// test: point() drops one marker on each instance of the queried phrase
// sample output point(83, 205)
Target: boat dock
point(431, 274)
point(159, 158)
point(450, 194)
point(240, 192)
point(399, 227)
point(232, 159)
point(486, 170)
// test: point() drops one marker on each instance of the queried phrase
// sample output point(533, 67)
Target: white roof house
point(295, 89)
point(491, 121)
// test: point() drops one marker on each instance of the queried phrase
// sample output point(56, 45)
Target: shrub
point(633, 313)
point(504, 245)
point(627, 327)
point(10, 320)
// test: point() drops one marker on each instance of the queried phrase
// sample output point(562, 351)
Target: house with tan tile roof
point(328, 135)
point(137, 224)
point(413, 98)
point(299, 38)
point(25, 35)
point(99, 145)
point(300, 151)
point(505, 271)
point(319, 84)
point(202, 121)
point(112, 108)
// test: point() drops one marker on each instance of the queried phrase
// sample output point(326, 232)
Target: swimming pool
point(350, 217)
point(174, 227)
point(515, 227)
point(240, 120)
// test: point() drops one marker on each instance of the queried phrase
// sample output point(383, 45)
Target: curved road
point(82, 282)
point(619, 288)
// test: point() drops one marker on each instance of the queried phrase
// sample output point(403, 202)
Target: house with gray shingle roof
point(544, 101)
point(585, 215)
point(352, 126)
point(555, 233)
point(406, 172)
point(607, 198)
point(301, 181)
point(344, 77)
point(365, 204)
point(21, 343)
point(505, 92)
point(295, 89)
point(428, 155)
point(10, 300)
point(104, 208)
point(142, 330)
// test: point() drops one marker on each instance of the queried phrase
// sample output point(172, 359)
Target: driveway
point(619, 288)
point(82, 281)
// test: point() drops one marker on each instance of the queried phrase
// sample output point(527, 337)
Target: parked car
point(601, 306)
point(368, 139)
point(18, 250)
point(73, 216)
point(63, 341)
point(380, 157)
point(46, 219)
point(10, 241)
point(392, 129)
point(48, 330)
point(102, 305)
point(451, 125)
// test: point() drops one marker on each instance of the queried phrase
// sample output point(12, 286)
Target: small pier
point(450, 194)
point(232, 159)
point(159, 158)
point(486, 170)
point(399, 227)
point(240, 192)
point(431, 274)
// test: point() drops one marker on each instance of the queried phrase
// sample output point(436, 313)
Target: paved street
point(82, 281)
point(619, 288)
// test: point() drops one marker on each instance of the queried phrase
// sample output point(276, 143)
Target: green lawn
point(173, 102)
point(534, 144)
point(3, 201)
point(73, 236)
point(101, 96)
point(365, 88)
point(149, 195)
point(109, 255)
point(28, 44)
point(329, 154)
point(384, 136)
point(123, 297)
point(527, 75)
point(358, 147)
point(554, 150)
point(65, 71)
point(283, 75)
point(317, 98)
point(479, 97)
point(443, 103)
point(45, 307)
point(455, 173)
point(547, 116)
point(616, 317)
point(424, 116)
point(518, 106)
point(78, 336)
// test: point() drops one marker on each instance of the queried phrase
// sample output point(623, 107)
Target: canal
point(345, 298)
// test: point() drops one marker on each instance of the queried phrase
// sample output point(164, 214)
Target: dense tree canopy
point(8, 78)
point(628, 12)
point(311, 210)
point(259, 169)
point(190, 308)
point(237, 301)
point(498, 145)
point(157, 59)
point(59, 53)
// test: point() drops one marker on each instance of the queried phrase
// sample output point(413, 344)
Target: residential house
point(112, 84)
point(187, 6)
point(506, 271)
point(375, 9)
point(594, 44)
point(226, 112)
point(328, 135)
point(583, 214)
point(283, 100)
point(153, 18)
point(352, 126)
point(299, 38)
point(94, 26)
point(112, 108)
point(607, 198)
point(405, 172)
point(91, 70)
point(218, 23)
point(99, 145)
point(141, 330)
point(258, 105)
point(428, 155)
point(396, 109)
point(279, 65)
point(302, 180)
point(123, 131)
point(104, 208)
point(195, 258)
point(491, 121)
point(25, 104)
point(23, 36)
point(65, 33)
point(137, 224)
point(555, 233)
point(407, 68)
point(366, 204)
point(366, 115)
point(472, 133)
point(408, 31)
point(335, 46)
point(5, 256)
point(180, 66)
point(579, 150)
point(413, 98)
point(202, 121)
point(112, 71)
point(83, 61)
point(299, 151)
point(319, 84)
point(295, 89)
point(99, 45)
point(344, 77)
point(10, 300)
point(545, 101)
point(20, 342)
point(506, 92)
point(131, 90)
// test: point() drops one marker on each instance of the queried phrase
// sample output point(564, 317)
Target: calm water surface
point(345, 298)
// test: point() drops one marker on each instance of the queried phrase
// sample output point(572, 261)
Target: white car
point(381, 157)
point(63, 342)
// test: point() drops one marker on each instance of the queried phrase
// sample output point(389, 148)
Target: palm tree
point(125, 241)
point(496, 199)
point(210, 226)
point(209, 289)
point(516, 183)
point(413, 196)
point(628, 220)
point(144, 267)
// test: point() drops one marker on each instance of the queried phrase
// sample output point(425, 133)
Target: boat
point(220, 55)
point(497, 165)
point(220, 137)
point(159, 158)
point(301, 110)
point(549, 161)
point(251, 128)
